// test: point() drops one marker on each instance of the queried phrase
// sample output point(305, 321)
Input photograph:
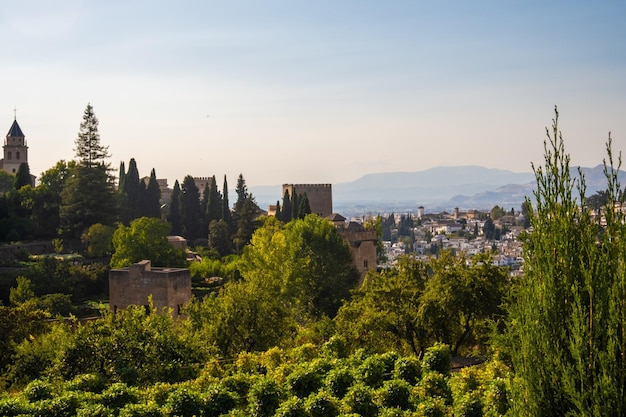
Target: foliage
point(145, 238)
point(264, 397)
point(22, 177)
point(87, 198)
point(88, 149)
point(437, 358)
point(99, 240)
point(190, 212)
point(174, 213)
point(567, 321)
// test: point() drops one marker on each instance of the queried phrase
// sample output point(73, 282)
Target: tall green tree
point(89, 150)
point(242, 193)
point(152, 197)
point(174, 215)
point(214, 203)
point(22, 177)
point(246, 223)
point(88, 196)
point(305, 207)
point(567, 325)
point(190, 211)
point(286, 212)
point(133, 189)
point(226, 213)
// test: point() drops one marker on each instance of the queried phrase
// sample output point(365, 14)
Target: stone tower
point(15, 149)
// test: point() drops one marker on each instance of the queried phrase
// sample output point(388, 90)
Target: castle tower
point(15, 149)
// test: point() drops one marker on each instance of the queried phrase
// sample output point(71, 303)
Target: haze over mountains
point(440, 188)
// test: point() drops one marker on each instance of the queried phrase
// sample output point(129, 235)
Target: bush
point(86, 382)
point(432, 407)
point(292, 407)
point(304, 381)
point(14, 406)
point(435, 385)
point(183, 402)
point(321, 404)
point(469, 405)
point(437, 358)
point(396, 393)
point(93, 410)
point(359, 400)
point(339, 380)
point(38, 390)
point(141, 410)
point(118, 395)
point(408, 368)
point(218, 400)
point(264, 397)
point(238, 383)
point(62, 406)
point(336, 347)
point(372, 371)
point(496, 398)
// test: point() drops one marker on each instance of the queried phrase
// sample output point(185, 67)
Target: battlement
point(308, 185)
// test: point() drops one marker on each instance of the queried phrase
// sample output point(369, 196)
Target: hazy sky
point(314, 91)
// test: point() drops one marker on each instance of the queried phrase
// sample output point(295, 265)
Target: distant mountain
point(440, 188)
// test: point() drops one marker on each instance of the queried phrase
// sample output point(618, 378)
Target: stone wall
point(169, 287)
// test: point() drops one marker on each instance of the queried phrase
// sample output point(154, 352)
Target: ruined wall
point(169, 287)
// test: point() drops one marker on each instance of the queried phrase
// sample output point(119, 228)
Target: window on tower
point(17, 155)
point(9, 156)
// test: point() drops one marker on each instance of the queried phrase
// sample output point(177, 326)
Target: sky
point(314, 91)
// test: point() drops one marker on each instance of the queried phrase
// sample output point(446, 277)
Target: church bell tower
point(15, 149)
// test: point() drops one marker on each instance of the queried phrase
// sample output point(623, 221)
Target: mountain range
point(437, 189)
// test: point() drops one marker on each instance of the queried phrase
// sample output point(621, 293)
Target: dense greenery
point(284, 330)
point(567, 325)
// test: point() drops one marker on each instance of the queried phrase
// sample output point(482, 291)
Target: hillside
point(466, 187)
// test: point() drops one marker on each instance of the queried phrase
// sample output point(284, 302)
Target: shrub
point(304, 381)
point(435, 385)
point(238, 383)
point(14, 406)
point(336, 347)
point(264, 397)
point(339, 380)
point(62, 406)
point(396, 393)
point(359, 400)
point(432, 407)
point(372, 370)
point(38, 390)
point(159, 392)
point(408, 368)
point(321, 404)
point(183, 402)
point(218, 400)
point(496, 398)
point(93, 410)
point(86, 382)
point(141, 410)
point(118, 395)
point(469, 405)
point(292, 407)
point(437, 358)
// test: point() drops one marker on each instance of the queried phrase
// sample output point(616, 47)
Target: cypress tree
point(122, 179)
point(190, 212)
point(226, 215)
point(295, 205)
point(304, 208)
point(286, 212)
point(22, 176)
point(214, 204)
point(152, 197)
point(174, 211)
point(279, 215)
point(133, 190)
point(567, 321)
